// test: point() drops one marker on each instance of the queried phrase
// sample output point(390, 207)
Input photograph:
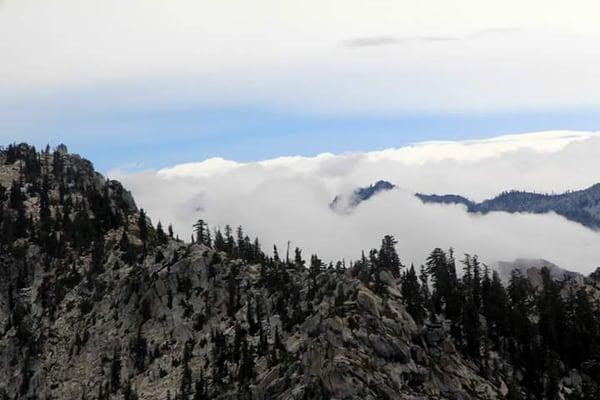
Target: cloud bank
point(287, 198)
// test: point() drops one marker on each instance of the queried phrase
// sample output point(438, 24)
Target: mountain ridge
point(581, 206)
point(98, 303)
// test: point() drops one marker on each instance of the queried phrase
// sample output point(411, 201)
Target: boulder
point(368, 302)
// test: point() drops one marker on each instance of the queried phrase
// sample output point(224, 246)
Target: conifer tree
point(240, 241)
point(229, 241)
point(247, 366)
point(98, 255)
point(161, 237)
point(298, 258)
point(16, 196)
point(424, 283)
point(388, 257)
point(412, 295)
point(201, 229)
point(200, 392)
point(143, 227)
point(219, 241)
point(115, 370)
point(127, 248)
point(316, 266)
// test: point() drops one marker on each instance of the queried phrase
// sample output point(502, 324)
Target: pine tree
point(229, 241)
point(247, 366)
point(186, 377)
point(161, 237)
point(129, 393)
point(143, 226)
point(200, 392)
point(388, 257)
point(22, 224)
point(471, 285)
point(258, 254)
point(201, 229)
point(437, 267)
point(252, 325)
point(514, 393)
point(340, 298)
point(496, 308)
point(551, 313)
point(476, 290)
point(16, 196)
point(521, 307)
point(298, 258)
point(241, 242)
point(446, 296)
point(220, 241)
point(425, 294)
point(412, 295)
point(472, 329)
point(138, 347)
point(129, 256)
point(115, 371)
point(98, 255)
point(316, 266)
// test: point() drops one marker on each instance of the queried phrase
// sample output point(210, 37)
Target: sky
point(137, 84)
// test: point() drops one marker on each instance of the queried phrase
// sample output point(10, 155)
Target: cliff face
point(95, 303)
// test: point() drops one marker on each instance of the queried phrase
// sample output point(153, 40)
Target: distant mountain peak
point(531, 268)
point(580, 206)
point(345, 203)
point(445, 199)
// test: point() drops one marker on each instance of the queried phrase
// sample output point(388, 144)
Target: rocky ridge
point(97, 303)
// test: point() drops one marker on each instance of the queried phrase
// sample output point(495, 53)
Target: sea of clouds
point(287, 198)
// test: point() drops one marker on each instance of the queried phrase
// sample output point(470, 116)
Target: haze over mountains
point(289, 195)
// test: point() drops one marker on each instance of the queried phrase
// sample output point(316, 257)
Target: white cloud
point(287, 198)
point(212, 166)
point(507, 55)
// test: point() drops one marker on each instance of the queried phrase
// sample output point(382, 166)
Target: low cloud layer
point(287, 198)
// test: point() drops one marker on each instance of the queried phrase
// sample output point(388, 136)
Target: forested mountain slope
point(581, 206)
point(98, 303)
